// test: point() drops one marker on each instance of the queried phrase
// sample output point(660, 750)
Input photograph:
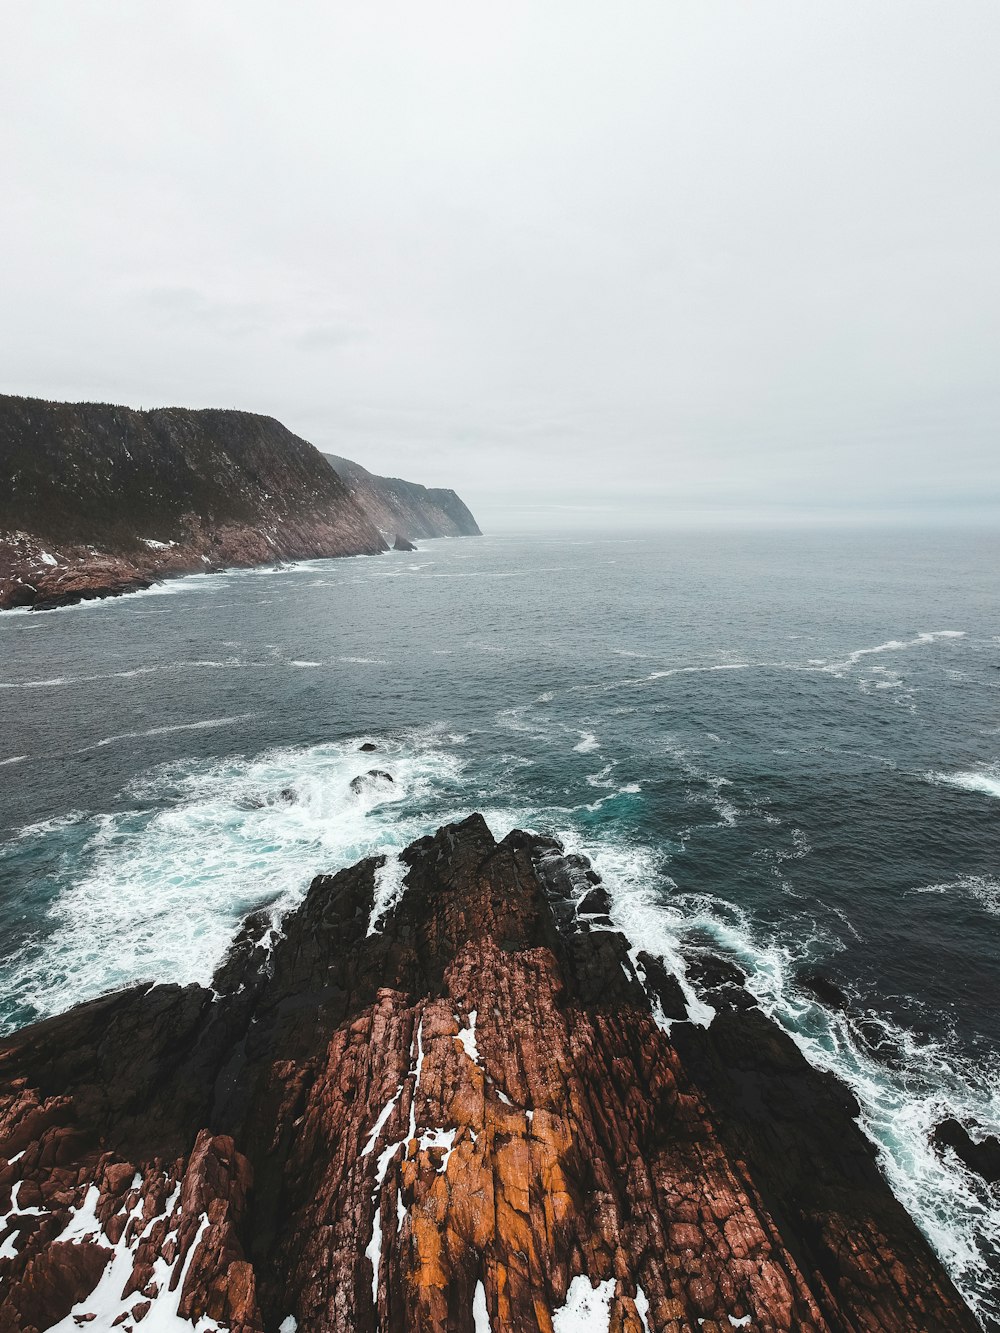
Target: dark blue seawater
point(784, 748)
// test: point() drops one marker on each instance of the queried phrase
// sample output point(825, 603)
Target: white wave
point(984, 889)
point(672, 671)
point(984, 781)
point(588, 742)
point(14, 759)
point(899, 1109)
point(297, 662)
point(157, 895)
point(34, 684)
point(728, 812)
point(890, 646)
point(43, 827)
point(388, 890)
point(204, 724)
point(198, 663)
point(696, 670)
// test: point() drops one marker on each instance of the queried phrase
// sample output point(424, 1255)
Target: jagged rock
point(401, 544)
point(372, 780)
point(596, 902)
point(981, 1157)
point(720, 981)
point(475, 1103)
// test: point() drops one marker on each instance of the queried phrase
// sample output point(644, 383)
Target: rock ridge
point(476, 1109)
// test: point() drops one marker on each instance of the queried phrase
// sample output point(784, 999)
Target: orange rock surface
point(446, 1118)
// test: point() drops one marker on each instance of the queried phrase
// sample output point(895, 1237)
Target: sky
point(680, 261)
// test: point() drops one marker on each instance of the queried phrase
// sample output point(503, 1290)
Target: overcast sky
point(734, 260)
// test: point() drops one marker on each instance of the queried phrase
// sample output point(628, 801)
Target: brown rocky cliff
point(97, 500)
point(465, 1118)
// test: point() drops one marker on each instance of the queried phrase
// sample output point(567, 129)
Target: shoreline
point(91, 584)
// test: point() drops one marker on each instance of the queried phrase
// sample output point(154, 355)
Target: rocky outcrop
point(98, 500)
point(474, 1111)
point(981, 1156)
point(404, 507)
point(401, 544)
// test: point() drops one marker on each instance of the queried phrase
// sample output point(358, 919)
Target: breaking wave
point(984, 781)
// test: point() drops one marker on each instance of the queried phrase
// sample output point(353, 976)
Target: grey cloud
point(699, 259)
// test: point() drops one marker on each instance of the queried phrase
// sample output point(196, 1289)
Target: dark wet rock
point(367, 747)
point(476, 1093)
point(663, 986)
point(877, 1041)
point(375, 777)
point(824, 989)
point(720, 982)
point(982, 1157)
point(252, 802)
point(596, 902)
point(401, 544)
point(288, 795)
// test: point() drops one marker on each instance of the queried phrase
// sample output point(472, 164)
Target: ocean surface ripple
point(782, 749)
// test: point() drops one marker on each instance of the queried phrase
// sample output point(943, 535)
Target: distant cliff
point(98, 500)
point(405, 508)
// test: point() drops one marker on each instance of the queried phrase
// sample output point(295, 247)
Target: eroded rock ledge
point(469, 1119)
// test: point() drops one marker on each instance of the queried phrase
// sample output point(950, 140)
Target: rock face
point(405, 507)
point(465, 1114)
point(97, 500)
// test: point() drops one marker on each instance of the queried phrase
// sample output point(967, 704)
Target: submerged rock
point(824, 988)
point(981, 1157)
point(471, 1109)
point(372, 780)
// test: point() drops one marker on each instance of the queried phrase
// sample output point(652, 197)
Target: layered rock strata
point(477, 1110)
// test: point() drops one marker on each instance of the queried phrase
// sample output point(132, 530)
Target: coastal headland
point(446, 1094)
point(98, 500)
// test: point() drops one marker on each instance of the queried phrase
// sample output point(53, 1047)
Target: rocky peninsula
point(455, 1101)
point(98, 500)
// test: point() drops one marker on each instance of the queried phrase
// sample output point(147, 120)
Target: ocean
point(784, 748)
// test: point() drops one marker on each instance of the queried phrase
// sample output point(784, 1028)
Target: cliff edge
point(98, 500)
point(473, 1110)
point(405, 508)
